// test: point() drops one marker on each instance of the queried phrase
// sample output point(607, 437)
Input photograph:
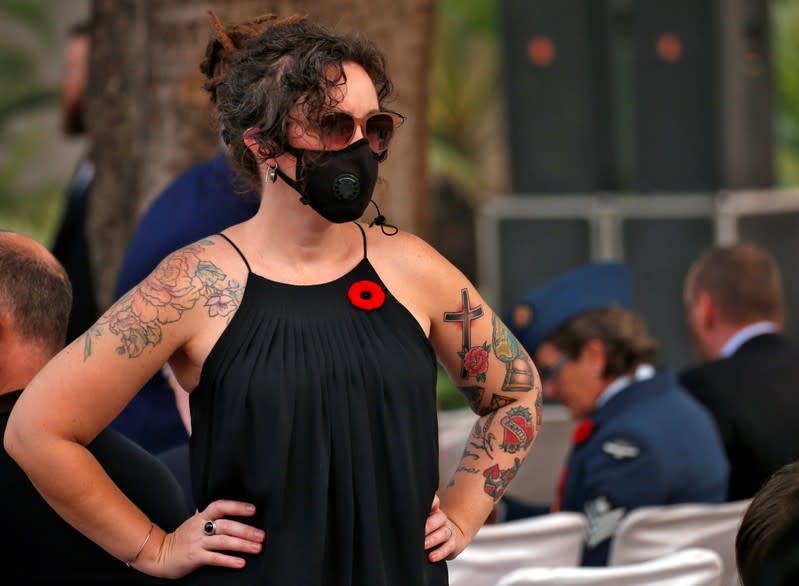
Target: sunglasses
point(336, 129)
point(547, 374)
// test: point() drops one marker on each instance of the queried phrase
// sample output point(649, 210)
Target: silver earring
point(272, 174)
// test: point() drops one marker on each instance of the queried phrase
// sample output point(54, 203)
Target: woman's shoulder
point(209, 269)
point(408, 258)
point(406, 250)
point(205, 257)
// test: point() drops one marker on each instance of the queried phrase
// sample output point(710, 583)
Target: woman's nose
point(358, 133)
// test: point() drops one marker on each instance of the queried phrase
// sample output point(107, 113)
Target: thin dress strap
point(241, 254)
point(363, 235)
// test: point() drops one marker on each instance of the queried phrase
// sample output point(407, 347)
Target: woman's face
point(357, 97)
point(576, 382)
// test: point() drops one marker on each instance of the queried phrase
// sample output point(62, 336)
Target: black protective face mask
point(338, 185)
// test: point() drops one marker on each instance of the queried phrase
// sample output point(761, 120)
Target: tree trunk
point(148, 117)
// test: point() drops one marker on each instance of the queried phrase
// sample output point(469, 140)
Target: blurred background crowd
point(541, 136)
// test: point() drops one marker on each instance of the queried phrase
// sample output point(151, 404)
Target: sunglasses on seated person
point(337, 128)
point(547, 374)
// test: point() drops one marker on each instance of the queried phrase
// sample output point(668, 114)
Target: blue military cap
point(539, 313)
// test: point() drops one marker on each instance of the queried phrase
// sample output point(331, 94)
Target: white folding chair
point(537, 479)
point(651, 532)
point(550, 540)
point(690, 567)
point(454, 427)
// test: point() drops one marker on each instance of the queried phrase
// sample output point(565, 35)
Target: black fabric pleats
point(323, 415)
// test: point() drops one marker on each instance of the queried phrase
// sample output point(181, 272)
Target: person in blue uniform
point(205, 199)
point(309, 342)
point(641, 440)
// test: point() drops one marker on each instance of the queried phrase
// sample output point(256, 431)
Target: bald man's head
point(34, 291)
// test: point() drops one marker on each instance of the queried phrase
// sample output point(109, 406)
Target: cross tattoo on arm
point(465, 317)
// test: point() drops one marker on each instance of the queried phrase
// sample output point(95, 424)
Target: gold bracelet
point(146, 539)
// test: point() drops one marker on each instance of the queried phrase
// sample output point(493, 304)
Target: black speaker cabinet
point(557, 95)
point(675, 95)
point(639, 96)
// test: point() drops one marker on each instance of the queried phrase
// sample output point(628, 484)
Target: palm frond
point(33, 14)
point(785, 22)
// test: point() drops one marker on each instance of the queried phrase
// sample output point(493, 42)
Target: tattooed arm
point(487, 364)
point(186, 301)
point(501, 383)
point(491, 369)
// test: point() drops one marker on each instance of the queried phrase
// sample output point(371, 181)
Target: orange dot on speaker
point(541, 51)
point(669, 47)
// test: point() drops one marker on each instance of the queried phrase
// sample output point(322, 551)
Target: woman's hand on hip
point(443, 539)
point(206, 539)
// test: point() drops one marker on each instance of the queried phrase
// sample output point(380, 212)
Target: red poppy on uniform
point(582, 432)
point(366, 295)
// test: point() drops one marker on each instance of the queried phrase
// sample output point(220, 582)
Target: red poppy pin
point(582, 432)
point(366, 295)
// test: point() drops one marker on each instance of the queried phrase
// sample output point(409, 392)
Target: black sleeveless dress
point(322, 413)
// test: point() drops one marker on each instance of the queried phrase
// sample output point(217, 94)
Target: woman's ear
point(593, 351)
point(252, 142)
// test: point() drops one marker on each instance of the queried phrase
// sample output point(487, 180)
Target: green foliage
point(464, 107)
point(449, 397)
point(19, 89)
point(785, 26)
point(29, 208)
point(31, 14)
point(20, 92)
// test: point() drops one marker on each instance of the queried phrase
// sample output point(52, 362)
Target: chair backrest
point(690, 567)
point(550, 540)
point(454, 427)
point(537, 480)
point(652, 532)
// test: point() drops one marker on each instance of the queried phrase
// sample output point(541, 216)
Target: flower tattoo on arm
point(177, 284)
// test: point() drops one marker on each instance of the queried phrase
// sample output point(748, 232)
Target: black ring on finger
point(209, 528)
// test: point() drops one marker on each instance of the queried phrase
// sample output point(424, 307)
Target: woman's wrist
point(148, 561)
point(135, 558)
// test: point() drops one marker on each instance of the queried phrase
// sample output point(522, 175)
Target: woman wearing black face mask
point(309, 344)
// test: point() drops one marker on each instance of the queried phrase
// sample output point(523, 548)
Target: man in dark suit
point(750, 378)
point(70, 245)
point(641, 440)
point(36, 545)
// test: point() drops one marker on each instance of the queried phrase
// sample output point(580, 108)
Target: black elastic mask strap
point(295, 184)
point(380, 220)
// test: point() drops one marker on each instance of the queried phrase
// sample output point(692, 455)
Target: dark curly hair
point(257, 71)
